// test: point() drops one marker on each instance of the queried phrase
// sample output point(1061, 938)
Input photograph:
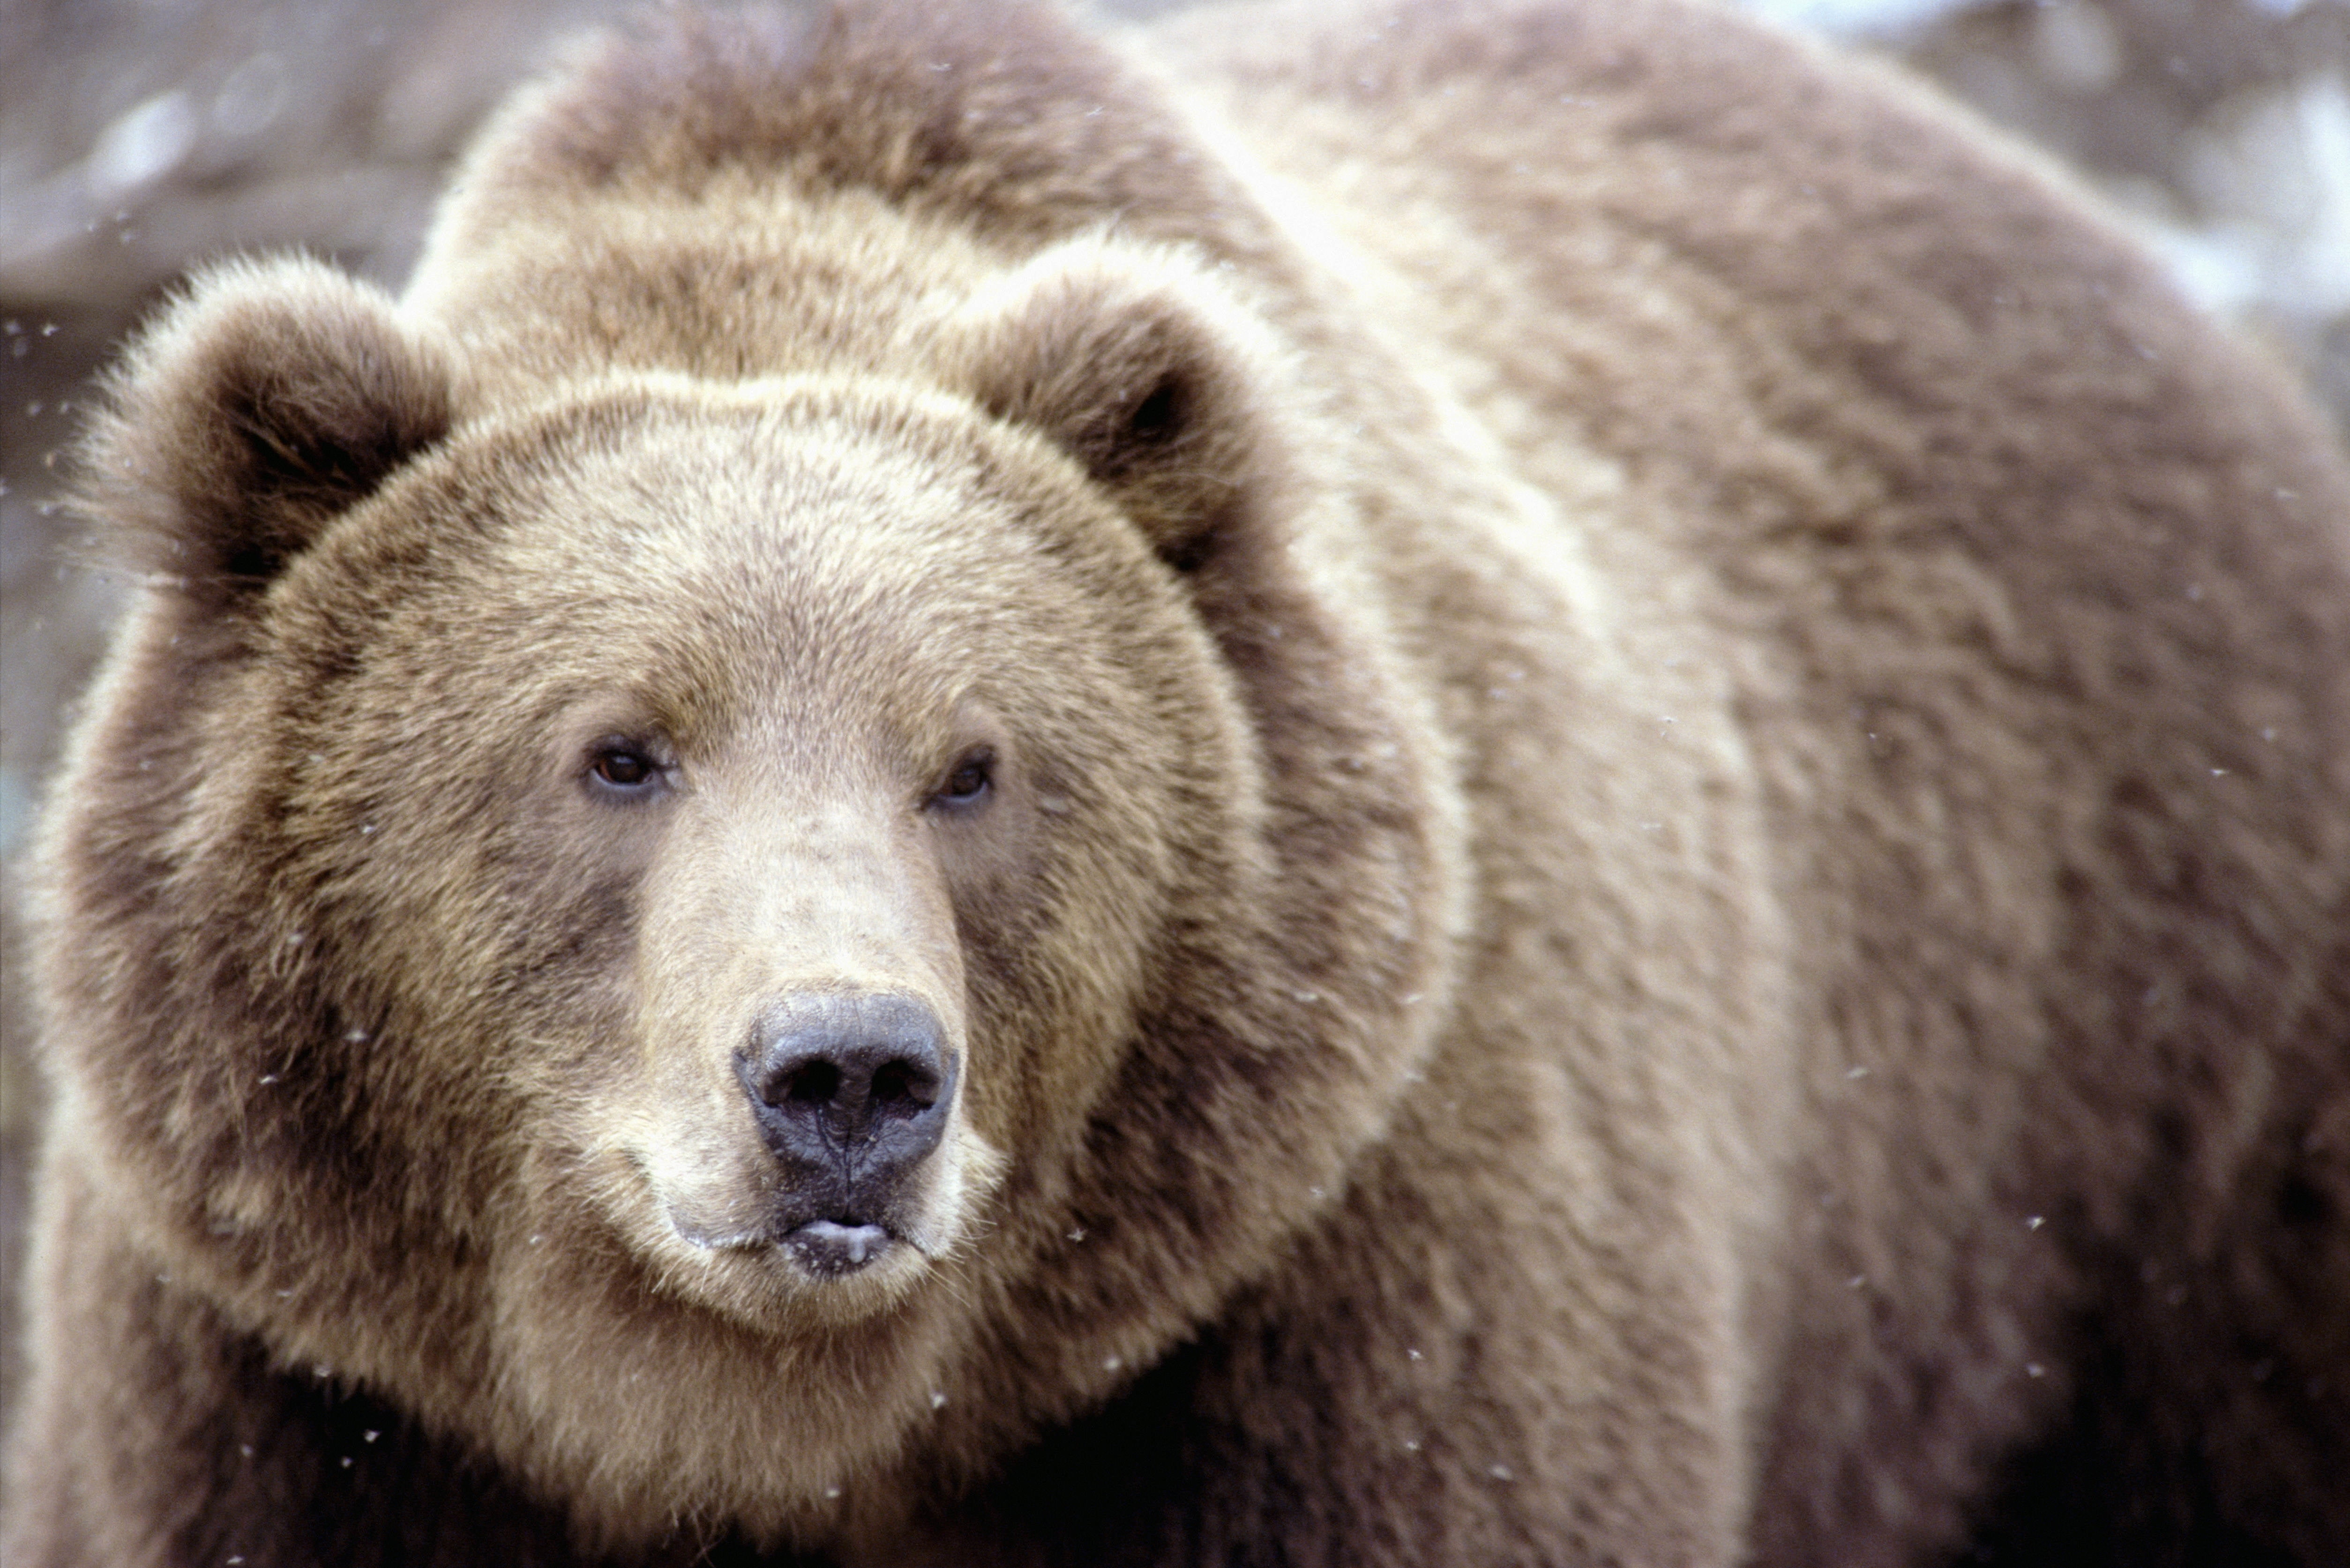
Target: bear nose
point(858, 1085)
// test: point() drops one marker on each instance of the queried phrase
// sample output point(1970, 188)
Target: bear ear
point(264, 404)
point(1138, 367)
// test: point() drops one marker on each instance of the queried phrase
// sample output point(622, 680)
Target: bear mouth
point(827, 1247)
point(835, 1247)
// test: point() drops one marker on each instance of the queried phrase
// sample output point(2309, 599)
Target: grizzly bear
point(1476, 784)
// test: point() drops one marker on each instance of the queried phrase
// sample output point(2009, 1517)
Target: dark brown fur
point(1669, 879)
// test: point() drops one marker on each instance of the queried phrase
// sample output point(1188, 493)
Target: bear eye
point(970, 780)
point(623, 767)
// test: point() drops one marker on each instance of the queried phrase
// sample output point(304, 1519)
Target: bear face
point(769, 813)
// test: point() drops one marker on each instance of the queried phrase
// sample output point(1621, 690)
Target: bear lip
point(836, 1246)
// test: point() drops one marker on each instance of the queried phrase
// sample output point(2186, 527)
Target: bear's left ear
point(272, 398)
point(1130, 360)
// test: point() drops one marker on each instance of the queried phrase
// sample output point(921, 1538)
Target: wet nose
point(855, 1084)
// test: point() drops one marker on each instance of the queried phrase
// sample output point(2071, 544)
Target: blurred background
point(139, 136)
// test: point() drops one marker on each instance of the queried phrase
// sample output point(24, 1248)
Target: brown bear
point(1474, 783)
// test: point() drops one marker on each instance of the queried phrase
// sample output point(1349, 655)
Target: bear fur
point(1609, 774)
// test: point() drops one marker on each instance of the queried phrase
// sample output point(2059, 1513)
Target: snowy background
point(139, 136)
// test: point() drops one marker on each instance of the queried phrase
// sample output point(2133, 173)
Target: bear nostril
point(903, 1088)
point(817, 1084)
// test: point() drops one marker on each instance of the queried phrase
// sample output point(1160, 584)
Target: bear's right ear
point(263, 405)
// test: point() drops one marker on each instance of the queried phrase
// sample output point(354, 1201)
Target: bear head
point(714, 936)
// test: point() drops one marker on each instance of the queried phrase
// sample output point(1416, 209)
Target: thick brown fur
point(1667, 878)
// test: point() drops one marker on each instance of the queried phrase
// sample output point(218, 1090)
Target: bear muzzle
point(851, 1093)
